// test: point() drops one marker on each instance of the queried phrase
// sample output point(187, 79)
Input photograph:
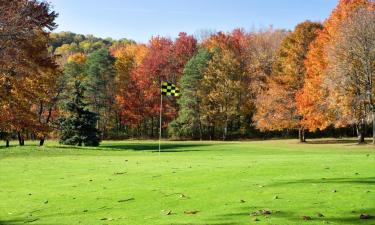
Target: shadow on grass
point(167, 147)
point(333, 141)
point(2, 147)
point(12, 222)
point(207, 223)
point(23, 221)
point(359, 180)
point(347, 217)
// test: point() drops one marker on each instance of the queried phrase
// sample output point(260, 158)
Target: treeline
point(260, 84)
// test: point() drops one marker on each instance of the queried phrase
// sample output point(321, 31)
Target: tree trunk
point(373, 126)
point(361, 132)
point(200, 130)
point(199, 122)
point(21, 140)
point(7, 143)
point(152, 127)
point(211, 130)
point(225, 130)
point(225, 133)
point(41, 142)
point(80, 143)
point(301, 135)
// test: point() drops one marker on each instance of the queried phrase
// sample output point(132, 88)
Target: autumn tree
point(163, 60)
point(311, 100)
point(23, 61)
point(351, 72)
point(128, 95)
point(276, 105)
point(220, 88)
point(252, 57)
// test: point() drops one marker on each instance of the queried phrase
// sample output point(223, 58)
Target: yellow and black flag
point(169, 89)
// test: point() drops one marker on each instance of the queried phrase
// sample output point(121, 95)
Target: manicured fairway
point(198, 183)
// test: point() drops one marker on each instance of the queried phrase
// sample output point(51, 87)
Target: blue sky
point(141, 19)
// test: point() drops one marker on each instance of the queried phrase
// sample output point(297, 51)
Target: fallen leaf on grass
point(126, 200)
point(191, 212)
point(119, 173)
point(307, 218)
point(261, 212)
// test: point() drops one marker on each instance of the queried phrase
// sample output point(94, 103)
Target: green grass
point(128, 182)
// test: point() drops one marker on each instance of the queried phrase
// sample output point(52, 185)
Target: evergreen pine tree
point(80, 126)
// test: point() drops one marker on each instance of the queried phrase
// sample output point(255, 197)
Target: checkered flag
point(169, 89)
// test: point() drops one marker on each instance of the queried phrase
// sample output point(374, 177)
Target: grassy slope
point(62, 185)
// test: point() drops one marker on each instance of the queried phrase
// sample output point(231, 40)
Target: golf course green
point(276, 182)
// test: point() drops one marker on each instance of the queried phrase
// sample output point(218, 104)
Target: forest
point(314, 81)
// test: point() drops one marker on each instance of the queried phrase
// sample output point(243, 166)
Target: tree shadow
point(206, 223)
point(152, 147)
point(351, 217)
point(359, 180)
point(333, 141)
point(347, 217)
point(12, 222)
point(19, 221)
point(2, 147)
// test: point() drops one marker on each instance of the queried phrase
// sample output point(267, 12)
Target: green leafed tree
point(188, 123)
point(80, 125)
point(100, 82)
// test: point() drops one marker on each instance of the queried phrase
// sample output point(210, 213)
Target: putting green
point(214, 183)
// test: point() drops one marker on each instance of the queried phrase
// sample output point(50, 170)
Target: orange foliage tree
point(276, 105)
point(311, 100)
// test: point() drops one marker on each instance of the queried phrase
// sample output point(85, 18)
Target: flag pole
point(161, 109)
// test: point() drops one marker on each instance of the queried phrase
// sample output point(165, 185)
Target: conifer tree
point(80, 126)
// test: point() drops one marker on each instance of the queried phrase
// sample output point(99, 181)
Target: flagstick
point(161, 109)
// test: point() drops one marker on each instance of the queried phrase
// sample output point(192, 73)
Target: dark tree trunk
point(80, 143)
point(225, 133)
point(21, 140)
point(7, 143)
point(361, 132)
point(373, 126)
point(41, 141)
point(200, 130)
point(152, 127)
point(301, 135)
